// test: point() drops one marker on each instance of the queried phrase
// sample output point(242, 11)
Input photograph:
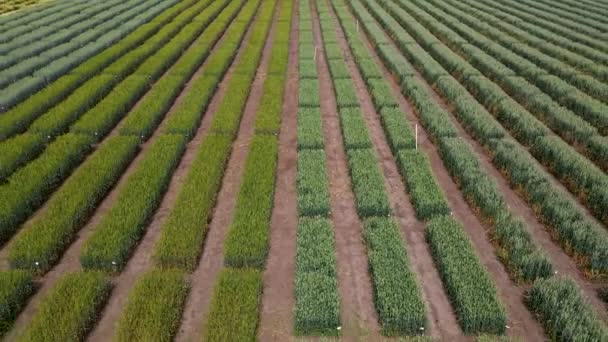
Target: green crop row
point(396, 293)
point(70, 308)
point(468, 284)
point(111, 244)
point(27, 188)
point(317, 308)
point(247, 240)
point(312, 183)
point(15, 289)
point(154, 307)
point(18, 118)
point(427, 197)
point(150, 111)
point(367, 183)
point(184, 232)
point(309, 93)
point(17, 151)
point(354, 129)
point(40, 244)
point(564, 312)
point(268, 118)
point(233, 315)
point(570, 225)
point(489, 93)
point(524, 259)
point(397, 130)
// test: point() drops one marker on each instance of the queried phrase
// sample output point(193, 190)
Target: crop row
point(482, 312)
point(238, 291)
point(585, 16)
point(21, 116)
point(564, 312)
point(513, 13)
point(182, 236)
point(35, 19)
point(560, 61)
point(545, 197)
point(317, 307)
point(39, 40)
point(15, 288)
point(18, 118)
point(397, 295)
point(62, 58)
point(564, 122)
point(25, 203)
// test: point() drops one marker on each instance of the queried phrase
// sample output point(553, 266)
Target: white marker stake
point(357, 25)
point(416, 136)
point(314, 58)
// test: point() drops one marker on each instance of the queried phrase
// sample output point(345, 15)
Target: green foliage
point(268, 114)
point(570, 225)
point(184, 232)
point(317, 309)
point(40, 244)
point(354, 129)
point(470, 288)
point(233, 315)
point(346, 96)
point(228, 115)
point(309, 93)
point(312, 185)
point(154, 308)
point(247, 240)
point(310, 128)
point(307, 68)
point(603, 293)
point(18, 150)
point(396, 128)
point(110, 245)
point(367, 183)
point(522, 125)
point(524, 259)
point(15, 288)
point(338, 68)
point(29, 187)
point(70, 308)
point(368, 67)
point(381, 93)
point(397, 296)
point(427, 197)
point(566, 315)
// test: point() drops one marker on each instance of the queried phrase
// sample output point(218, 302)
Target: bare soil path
point(358, 315)
point(276, 321)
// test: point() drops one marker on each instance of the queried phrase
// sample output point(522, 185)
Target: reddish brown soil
point(276, 321)
point(442, 320)
point(212, 259)
point(359, 319)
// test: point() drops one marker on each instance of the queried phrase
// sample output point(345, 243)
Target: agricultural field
point(277, 170)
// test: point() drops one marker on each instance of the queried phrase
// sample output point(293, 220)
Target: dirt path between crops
point(357, 312)
point(441, 316)
point(141, 259)
point(276, 316)
point(212, 260)
point(521, 322)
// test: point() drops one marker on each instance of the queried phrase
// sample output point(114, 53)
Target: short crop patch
point(367, 183)
point(268, 117)
point(470, 288)
point(19, 150)
point(312, 184)
point(309, 93)
point(399, 133)
point(354, 128)
point(346, 96)
point(15, 288)
point(70, 308)
point(310, 128)
point(154, 307)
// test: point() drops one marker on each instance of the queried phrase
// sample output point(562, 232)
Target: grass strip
point(69, 310)
point(427, 197)
point(563, 311)
point(112, 242)
point(397, 295)
point(367, 183)
point(40, 244)
point(247, 240)
point(15, 289)
point(17, 151)
point(29, 187)
point(233, 315)
point(312, 184)
point(154, 307)
point(317, 308)
point(468, 284)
